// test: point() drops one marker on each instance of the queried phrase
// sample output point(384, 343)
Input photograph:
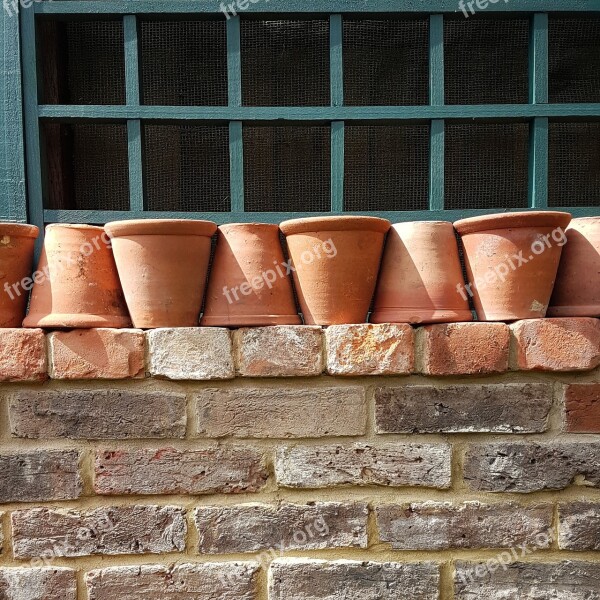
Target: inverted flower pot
point(577, 289)
point(336, 262)
point(76, 283)
point(421, 279)
point(511, 261)
point(249, 282)
point(163, 265)
point(16, 261)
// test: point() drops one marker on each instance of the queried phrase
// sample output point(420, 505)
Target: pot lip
point(513, 220)
point(243, 225)
point(78, 226)
point(584, 220)
point(160, 227)
point(19, 230)
point(335, 223)
point(420, 223)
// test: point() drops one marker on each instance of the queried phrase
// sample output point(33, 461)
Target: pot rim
point(160, 227)
point(242, 225)
point(78, 226)
point(19, 230)
point(335, 223)
point(513, 220)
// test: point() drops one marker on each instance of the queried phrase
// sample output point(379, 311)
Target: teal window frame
point(536, 112)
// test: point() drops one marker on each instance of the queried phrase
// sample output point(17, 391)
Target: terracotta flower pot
point(421, 277)
point(336, 261)
point(511, 261)
point(249, 284)
point(16, 261)
point(577, 289)
point(162, 264)
point(76, 283)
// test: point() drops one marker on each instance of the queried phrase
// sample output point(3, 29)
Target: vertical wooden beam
point(538, 129)
point(336, 73)
point(12, 149)
point(236, 142)
point(35, 199)
point(134, 126)
point(437, 127)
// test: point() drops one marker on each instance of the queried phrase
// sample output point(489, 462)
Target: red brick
point(22, 355)
point(582, 404)
point(464, 348)
point(557, 344)
point(96, 354)
point(354, 350)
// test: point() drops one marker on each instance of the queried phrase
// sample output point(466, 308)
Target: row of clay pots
point(511, 260)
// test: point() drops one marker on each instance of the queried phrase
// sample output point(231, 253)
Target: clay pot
point(248, 283)
point(511, 261)
point(421, 278)
point(577, 289)
point(76, 283)
point(336, 261)
point(17, 242)
point(162, 264)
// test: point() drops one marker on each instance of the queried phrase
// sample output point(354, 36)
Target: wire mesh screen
point(287, 168)
point(486, 60)
point(186, 167)
point(574, 164)
point(486, 165)
point(86, 166)
point(574, 59)
point(184, 63)
point(82, 62)
point(285, 63)
point(387, 167)
point(386, 63)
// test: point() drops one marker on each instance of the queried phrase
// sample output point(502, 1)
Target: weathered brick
point(107, 530)
point(569, 580)
point(500, 408)
point(22, 355)
point(582, 404)
point(557, 344)
point(46, 583)
point(438, 525)
point(305, 579)
point(97, 414)
point(96, 354)
point(313, 526)
point(227, 469)
point(531, 466)
point(281, 351)
point(579, 526)
point(464, 348)
point(366, 349)
point(39, 475)
point(208, 581)
point(281, 412)
point(194, 353)
point(393, 464)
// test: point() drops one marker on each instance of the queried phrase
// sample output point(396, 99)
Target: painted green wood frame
point(12, 157)
point(537, 112)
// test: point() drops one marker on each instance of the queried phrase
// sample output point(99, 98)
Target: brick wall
point(367, 462)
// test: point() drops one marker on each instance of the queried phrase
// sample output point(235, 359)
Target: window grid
point(538, 113)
